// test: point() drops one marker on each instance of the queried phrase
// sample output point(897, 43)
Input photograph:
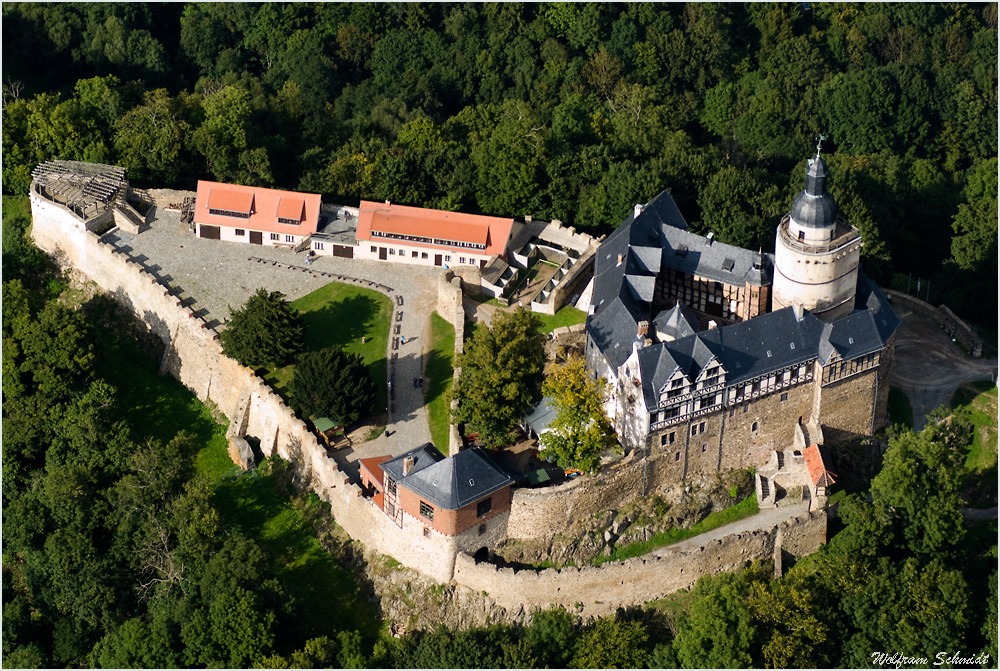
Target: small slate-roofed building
point(467, 494)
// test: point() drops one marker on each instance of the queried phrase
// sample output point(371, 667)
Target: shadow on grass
point(341, 322)
point(327, 597)
point(439, 369)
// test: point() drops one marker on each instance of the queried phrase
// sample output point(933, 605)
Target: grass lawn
point(158, 407)
point(899, 408)
point(980, 398)
point(567, 316)
point(744, 508)
point(438, 371)
point(341, 314)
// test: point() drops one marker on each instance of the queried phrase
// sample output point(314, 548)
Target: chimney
point(797, 311)
point(621, 257)
point(637, 210)
point(712, 324)
point(643, 328)
point(407, 466)
point(710, 237)
point(388, 203)
point(527, 218)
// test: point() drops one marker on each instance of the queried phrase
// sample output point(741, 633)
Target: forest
point(126, 545)
point(557, 110)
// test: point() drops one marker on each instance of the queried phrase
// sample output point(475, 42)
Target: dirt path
point(765, 519)
point(929, 367)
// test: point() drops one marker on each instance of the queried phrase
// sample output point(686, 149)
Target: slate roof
point(770, 342)
point(655, 239)
point(424, 456)
point(541, 416)
point(456, 481)
point(677, 322)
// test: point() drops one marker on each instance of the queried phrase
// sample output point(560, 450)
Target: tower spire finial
point(819, 144)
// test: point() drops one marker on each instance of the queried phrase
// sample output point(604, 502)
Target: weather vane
point(819, 144)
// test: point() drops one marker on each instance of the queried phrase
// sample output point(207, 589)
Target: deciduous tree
point(581, 430)
point(501, 374)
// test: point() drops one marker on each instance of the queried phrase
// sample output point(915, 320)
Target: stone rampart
point(598, 590)
point(943, 316)
point(194, 356)
point(543, 513)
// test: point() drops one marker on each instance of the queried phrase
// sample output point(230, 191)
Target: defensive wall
point(194, 356)
point(598, 590)
point(942, 315)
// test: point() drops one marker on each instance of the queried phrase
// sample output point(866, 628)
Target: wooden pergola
point(86, 189)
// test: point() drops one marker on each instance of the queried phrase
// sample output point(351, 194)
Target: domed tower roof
point(814, 207)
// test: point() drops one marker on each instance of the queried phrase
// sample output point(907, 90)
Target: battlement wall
point(640, 580)
point(194, 356)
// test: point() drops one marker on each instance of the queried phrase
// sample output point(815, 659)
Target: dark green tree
point(611, 643)
point(266, 331)
point(501, 374)
point(332, 383)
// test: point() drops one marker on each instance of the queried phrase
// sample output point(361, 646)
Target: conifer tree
point(266, 331)
point(332, 383)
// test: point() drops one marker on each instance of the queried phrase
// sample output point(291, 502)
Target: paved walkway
point(213, 275)
point(763, 520)
point(929, 367)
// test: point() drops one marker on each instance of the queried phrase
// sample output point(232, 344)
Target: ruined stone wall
point(449, 306)
point(637, 581)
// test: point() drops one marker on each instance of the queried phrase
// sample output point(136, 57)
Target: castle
point(720, 358)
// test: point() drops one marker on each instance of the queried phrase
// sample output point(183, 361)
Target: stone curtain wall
point(640, 580)
point(942, 315)
point(449, 306)
point(543, 513)
point(195, 357)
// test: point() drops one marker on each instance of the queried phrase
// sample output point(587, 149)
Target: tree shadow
point(341, 322)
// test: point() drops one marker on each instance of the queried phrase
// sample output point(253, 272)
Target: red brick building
point(449, 495)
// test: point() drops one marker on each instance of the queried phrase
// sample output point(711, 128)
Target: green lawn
point(744, 508)
point(341, 314)
point(899, 408)
point(438, 371)
point(980, 398)
point(567, 316)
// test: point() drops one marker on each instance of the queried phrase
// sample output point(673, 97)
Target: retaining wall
point(599, 590)
point(943, 316)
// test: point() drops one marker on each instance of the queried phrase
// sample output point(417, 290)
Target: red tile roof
point(418, 222)
point(815, 462)
point(373, 466)
point(263, 205)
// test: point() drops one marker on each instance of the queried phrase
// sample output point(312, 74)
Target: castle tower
point(815, 252)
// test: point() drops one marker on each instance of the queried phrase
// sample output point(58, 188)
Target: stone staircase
point(784, 479)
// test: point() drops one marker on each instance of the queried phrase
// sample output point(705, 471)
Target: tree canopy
point(266, 331)
point(572, 113)
point(332, 383)
point(501, 376)
point(581, 430)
